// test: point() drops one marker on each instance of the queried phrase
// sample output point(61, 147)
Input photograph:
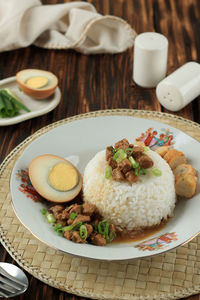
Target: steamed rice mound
point(130, 206)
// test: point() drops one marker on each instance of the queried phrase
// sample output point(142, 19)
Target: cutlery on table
point(13, 281)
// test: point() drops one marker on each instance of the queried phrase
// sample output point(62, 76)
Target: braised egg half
point(38, 84)
point(55, 178)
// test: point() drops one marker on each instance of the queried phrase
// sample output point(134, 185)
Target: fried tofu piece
point(185, 186)
point(162, 150)
point(185, 180)
point(174, 158)
point(184, 169)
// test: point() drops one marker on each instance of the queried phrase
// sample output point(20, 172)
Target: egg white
point(39, 169)
point(37, 93)
point(24, 75)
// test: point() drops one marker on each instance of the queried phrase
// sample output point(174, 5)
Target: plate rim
point(118, 112)
point(47, 278)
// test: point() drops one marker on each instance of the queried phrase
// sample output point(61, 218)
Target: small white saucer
point(37, 107)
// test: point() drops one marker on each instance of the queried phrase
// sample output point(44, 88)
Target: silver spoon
point(13, 281)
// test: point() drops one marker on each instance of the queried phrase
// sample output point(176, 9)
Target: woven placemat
point(172, 275)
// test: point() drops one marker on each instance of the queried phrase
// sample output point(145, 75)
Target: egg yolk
point(63, 177)
point(36, 82)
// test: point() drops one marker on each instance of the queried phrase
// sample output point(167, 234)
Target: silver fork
point(13, 281)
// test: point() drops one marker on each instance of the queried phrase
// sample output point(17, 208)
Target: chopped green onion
point(83, 232)
point(142, 171)
point(137, 171)
point(156, 172)
point(146, 149)
point(1, 103)
point(134, 163)
point(73, 215)
point(116, 155)
point(95, 227)
point(108, 172)
point(59, 232)
point(107, 232)
point(50, 218)
point(10, 105)
point(10, 96)
point(43, 211)
point(15, 100)
point(112, 235)
point(129, 151)
point(57, 226)
point(58, 229)
point(113, 150)
point(71, 227)
point(7, 108)
point(103, 227)
point(119, 155)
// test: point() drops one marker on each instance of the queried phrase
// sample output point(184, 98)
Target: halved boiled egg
point(36, 83)
point(55, 178)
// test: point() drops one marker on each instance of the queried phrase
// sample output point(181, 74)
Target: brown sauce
point(133, 236)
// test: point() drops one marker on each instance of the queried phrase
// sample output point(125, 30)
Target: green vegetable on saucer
point(10, 105)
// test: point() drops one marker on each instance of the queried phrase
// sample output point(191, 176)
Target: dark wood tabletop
point(95, 82)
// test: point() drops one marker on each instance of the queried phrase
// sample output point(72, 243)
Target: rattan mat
point(172, 275)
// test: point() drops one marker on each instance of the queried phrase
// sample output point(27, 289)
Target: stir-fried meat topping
point(81, 224)
point(125, 165)
point(68, 235)
point(112, 163)
point(127, 161)
point(64, 215)
point(145, 162)
point(89, 209)
point(131, 176)
point(81, 219)
point(98, 239)
point(75, 208)
point(76, 238)
point(57, 210)
point(123, 144)
point(117, 174)
point(109, 153)
point(60, 213)
point(138, 151)
point(89, 229)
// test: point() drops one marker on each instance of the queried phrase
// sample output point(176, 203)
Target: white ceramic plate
point(78, 141)
point(37, 107)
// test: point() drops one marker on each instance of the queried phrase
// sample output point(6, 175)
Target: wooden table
point(95, 82)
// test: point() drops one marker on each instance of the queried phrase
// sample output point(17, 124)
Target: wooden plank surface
point(94, 82)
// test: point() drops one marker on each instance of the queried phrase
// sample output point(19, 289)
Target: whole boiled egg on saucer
point(55, 178)
point(38, 84)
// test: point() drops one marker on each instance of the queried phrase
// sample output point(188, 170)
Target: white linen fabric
point(74, 25)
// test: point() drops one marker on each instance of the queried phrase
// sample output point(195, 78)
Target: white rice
point(130, 206)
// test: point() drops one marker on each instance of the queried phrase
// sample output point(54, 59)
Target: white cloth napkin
point(75, 25)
